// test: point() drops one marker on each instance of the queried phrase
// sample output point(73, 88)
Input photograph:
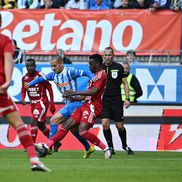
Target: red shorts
point(86, 114)
point(39, 111)
point(7, 105)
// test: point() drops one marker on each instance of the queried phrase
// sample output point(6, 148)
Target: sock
point(93, 139)
point(26, 140)
point(108, 137)
point(57, 137)
point(34, 131)
point(82, 140)
point(122, 134)
point(46, 132)
point(54, 130)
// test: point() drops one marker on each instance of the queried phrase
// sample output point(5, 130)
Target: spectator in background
point(61, 53)
point(18, 55)
point(142, 4)
point(24, 4)
point(158, 5)
point(100, 5)
point(51, 4)
point(176, 5)
point(76, 4)
point(125, 4)
point(131, 57)
point(135, 90)
point(7, 4)
point(36, 4)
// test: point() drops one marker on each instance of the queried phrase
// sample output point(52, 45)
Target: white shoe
point(39, 166)
point(107, 154)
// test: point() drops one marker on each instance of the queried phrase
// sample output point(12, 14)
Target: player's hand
point(26, 84)
point(4, 88)
point(126, 104)
point(52, 108)
point(68, 93)
point(23, 102)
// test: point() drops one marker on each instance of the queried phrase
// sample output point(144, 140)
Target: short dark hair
point(125, 63)
point(97, 57)
point(110, 48)
point(30, 60)
point(131, 52)
point(58, 58)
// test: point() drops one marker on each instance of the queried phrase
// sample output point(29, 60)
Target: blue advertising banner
point(160, 84)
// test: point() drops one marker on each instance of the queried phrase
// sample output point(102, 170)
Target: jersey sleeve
point(75, 73)
point(9, 47)
point(42, 78)
point(100, 81)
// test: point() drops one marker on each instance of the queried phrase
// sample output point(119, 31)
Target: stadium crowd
point(152, 5)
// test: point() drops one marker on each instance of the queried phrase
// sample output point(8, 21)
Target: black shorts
point(113, 109)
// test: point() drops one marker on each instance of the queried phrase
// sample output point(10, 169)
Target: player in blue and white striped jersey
point(65, 79)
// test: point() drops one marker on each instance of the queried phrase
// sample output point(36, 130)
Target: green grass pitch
point(69, 166)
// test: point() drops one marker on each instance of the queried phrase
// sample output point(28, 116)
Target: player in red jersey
point(38, 99)
point(8, 108)
point(84, 117)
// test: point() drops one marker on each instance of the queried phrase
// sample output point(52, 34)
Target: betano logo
point(157, 84)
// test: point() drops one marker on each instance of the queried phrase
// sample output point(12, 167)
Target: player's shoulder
point(25, 77)
point(101, 74)
point(4, 39)
point(40, 73)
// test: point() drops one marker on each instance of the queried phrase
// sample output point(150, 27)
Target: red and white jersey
point(99, 81)
point(5, 46)
point(35, 93)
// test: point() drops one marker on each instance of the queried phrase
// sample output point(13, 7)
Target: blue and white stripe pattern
point(66, 80)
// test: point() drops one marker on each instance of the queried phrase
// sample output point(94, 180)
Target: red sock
point(57, 137)
point(34, 131)
point(93, 139)
point(26, 140)
point(46, 132)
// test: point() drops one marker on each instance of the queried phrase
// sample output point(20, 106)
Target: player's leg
point(63, 130)
point(84, 132)
point(123, 136)
point(33, 130)
point(66, 112)
point(41, 118)
point(88, 149)
point(26, 140)
point(106, 114)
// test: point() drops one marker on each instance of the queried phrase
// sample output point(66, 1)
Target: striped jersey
point(66, 80)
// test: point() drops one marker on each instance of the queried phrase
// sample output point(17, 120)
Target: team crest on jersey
point(114, 74)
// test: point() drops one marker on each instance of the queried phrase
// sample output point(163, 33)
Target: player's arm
point(51, 95)
point(88, 74)
point(23, 93)
point(78, 98)
point(75, 73)
point(90, 92)
point(40, 80)
point(137, 87)
point(126, 89)
point(8, 70)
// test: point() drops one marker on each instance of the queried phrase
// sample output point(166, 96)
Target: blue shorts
point(68, 109)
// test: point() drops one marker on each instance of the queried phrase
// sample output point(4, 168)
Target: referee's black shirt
point(115, 73)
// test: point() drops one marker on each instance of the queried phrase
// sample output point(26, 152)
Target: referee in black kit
point(112, 102)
